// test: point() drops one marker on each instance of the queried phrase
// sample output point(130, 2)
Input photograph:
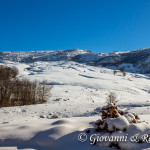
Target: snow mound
point(119, 123)
point(45, 134)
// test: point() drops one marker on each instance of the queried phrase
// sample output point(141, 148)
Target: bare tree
point(7, 73)
point(43, 90)
point(16, 92)
point(111, 98)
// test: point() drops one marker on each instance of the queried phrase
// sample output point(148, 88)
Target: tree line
point(17, 92)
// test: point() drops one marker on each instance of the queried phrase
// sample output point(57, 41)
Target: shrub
point(124, 74)
point(121, 69)
point(114, 72)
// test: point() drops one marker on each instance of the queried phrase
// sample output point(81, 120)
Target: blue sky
point(97, 25)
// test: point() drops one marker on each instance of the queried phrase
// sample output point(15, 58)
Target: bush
point(114, 72)
point(124, 74)
point(16, 92)
point(121, 69)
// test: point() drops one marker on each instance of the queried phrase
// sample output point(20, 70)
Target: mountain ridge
point(133, 61)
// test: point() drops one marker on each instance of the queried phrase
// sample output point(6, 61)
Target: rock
point(54, 117)
point(88, 131)
point(42, 116)
point(48, 117)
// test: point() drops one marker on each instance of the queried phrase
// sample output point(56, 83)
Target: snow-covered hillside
point(78, 91)
point(133, 61)
point(32, 56)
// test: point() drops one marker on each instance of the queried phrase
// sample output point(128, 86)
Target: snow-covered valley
point(78, 93)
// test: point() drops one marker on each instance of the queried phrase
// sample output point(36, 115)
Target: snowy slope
point(55, 134)
point(78, 89)
point(84, 87)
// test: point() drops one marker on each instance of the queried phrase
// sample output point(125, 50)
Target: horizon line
point(72, 49)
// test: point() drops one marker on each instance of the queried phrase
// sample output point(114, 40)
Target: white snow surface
point(77, 94)
point(120, 123)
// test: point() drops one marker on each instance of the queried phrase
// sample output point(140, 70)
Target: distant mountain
point(132, 61)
